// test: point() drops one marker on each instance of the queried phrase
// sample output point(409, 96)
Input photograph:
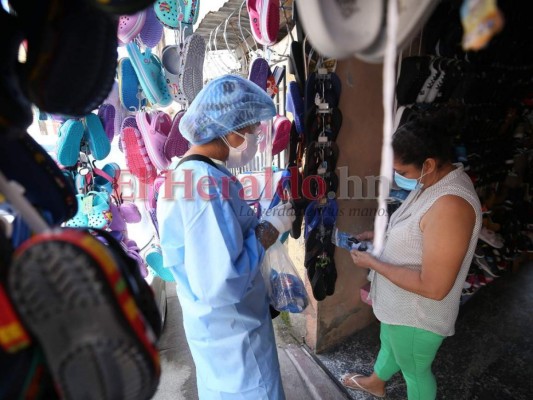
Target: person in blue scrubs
point(214, 244)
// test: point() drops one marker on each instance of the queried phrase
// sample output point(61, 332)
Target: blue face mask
point(408, 183)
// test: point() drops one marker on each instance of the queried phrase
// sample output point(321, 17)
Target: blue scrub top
point(211, 248)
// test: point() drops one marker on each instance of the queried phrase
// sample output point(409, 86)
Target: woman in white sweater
point(430, 241)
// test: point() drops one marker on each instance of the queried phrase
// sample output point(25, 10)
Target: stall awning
point(229, 27)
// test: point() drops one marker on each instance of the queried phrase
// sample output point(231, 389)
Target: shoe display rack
point(492, 89)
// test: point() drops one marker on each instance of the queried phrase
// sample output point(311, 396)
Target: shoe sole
point(68, 148)
point(137, 157)
point(79, 311)
point(98, 141)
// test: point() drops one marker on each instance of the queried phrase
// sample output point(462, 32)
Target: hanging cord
point(245, 48)
point(381, 220)
point(227, 69)
point(225, 36)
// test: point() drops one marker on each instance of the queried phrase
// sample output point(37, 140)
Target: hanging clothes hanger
point(225, 36)
point(226, 68)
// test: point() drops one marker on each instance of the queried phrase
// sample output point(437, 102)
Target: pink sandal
point(137, 157)
point(155, 129)
point(176, 145)
point(270, 21)
point(282, 131)
point(254, 8)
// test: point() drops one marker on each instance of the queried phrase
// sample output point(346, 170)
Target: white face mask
point(244, 153)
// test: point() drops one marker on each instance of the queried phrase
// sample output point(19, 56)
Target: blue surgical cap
point(225, 104)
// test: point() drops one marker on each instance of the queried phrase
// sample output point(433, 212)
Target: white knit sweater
point(403, 246)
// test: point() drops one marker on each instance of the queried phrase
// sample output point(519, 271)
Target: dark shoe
point(76, 297)
point(15, 109)
point(72, 55)
point(23, 160)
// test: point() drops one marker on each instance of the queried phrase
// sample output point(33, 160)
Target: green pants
point(412, 351)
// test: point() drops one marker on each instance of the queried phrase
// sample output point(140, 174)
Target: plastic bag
point(285, 288)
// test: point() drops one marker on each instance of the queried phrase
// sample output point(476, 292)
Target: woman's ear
point(430, 166)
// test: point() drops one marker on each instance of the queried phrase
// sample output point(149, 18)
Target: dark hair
point(428, 135)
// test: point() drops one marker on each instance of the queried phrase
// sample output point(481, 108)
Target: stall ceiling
point(222, 31)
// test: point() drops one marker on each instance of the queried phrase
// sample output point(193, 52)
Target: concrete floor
point(303, 378)
point(489, 358)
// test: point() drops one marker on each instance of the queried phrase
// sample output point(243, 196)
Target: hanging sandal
point(96, 136)
point(98, 213)
point(69, 142)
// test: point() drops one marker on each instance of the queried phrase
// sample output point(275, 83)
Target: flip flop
point(259, 71)
point(295, 105)
point(282, 129)
point(356, 384)
point(154, 259)
point(296, 65)
point(272, 87)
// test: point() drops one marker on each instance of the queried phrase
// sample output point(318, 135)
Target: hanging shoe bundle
point(143, 139)
point(322, 125)
point(320, 218)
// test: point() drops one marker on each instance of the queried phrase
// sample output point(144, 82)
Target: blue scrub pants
point(412, 351)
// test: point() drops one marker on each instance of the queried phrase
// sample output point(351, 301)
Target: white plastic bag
point(285, 288)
